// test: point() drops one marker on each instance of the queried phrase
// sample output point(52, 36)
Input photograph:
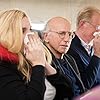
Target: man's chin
point(63, 52)
point(66, 50)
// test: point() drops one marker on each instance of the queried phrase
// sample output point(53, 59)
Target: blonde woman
point(22, 77)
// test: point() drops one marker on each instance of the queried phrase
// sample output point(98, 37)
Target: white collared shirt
point(88, 47)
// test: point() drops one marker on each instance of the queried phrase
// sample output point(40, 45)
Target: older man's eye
point(62, 33)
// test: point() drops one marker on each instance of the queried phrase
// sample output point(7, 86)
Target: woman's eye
point(23, 29)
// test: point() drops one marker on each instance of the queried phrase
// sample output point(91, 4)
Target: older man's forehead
point(59, 23)
point(58, 20)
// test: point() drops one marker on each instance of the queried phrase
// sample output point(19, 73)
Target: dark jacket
point(88, 65)
point(64, 84)
point(13, 87)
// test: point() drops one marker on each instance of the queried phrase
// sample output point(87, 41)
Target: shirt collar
point(86, 46)
point(82, 42)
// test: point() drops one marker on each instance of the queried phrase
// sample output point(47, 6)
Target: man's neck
point(81, 36)
point(55, 53)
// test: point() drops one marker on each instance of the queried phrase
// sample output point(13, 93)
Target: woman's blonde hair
point(11, 37)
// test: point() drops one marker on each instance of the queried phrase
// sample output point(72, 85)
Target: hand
point(49, 69)
point(34, 50)
point(96, 45)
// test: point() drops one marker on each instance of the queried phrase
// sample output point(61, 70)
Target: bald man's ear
point(45, 37)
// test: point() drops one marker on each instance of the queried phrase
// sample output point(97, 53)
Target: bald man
point(57, 37)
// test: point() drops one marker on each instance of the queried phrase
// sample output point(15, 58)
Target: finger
point(96, 36)
point(29, 47)
point(36, 40)
point(31, 40)
point(36, 35)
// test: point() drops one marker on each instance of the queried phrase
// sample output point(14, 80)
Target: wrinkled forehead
point(96, 18)
point(59, 25)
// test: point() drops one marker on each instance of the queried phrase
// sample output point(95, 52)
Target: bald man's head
point(57, 35)
point(56, 23)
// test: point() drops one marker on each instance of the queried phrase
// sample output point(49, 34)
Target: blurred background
point(41, 10)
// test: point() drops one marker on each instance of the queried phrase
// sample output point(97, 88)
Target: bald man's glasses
point(63, 33)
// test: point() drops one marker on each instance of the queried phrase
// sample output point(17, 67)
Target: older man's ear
point(45, 37)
